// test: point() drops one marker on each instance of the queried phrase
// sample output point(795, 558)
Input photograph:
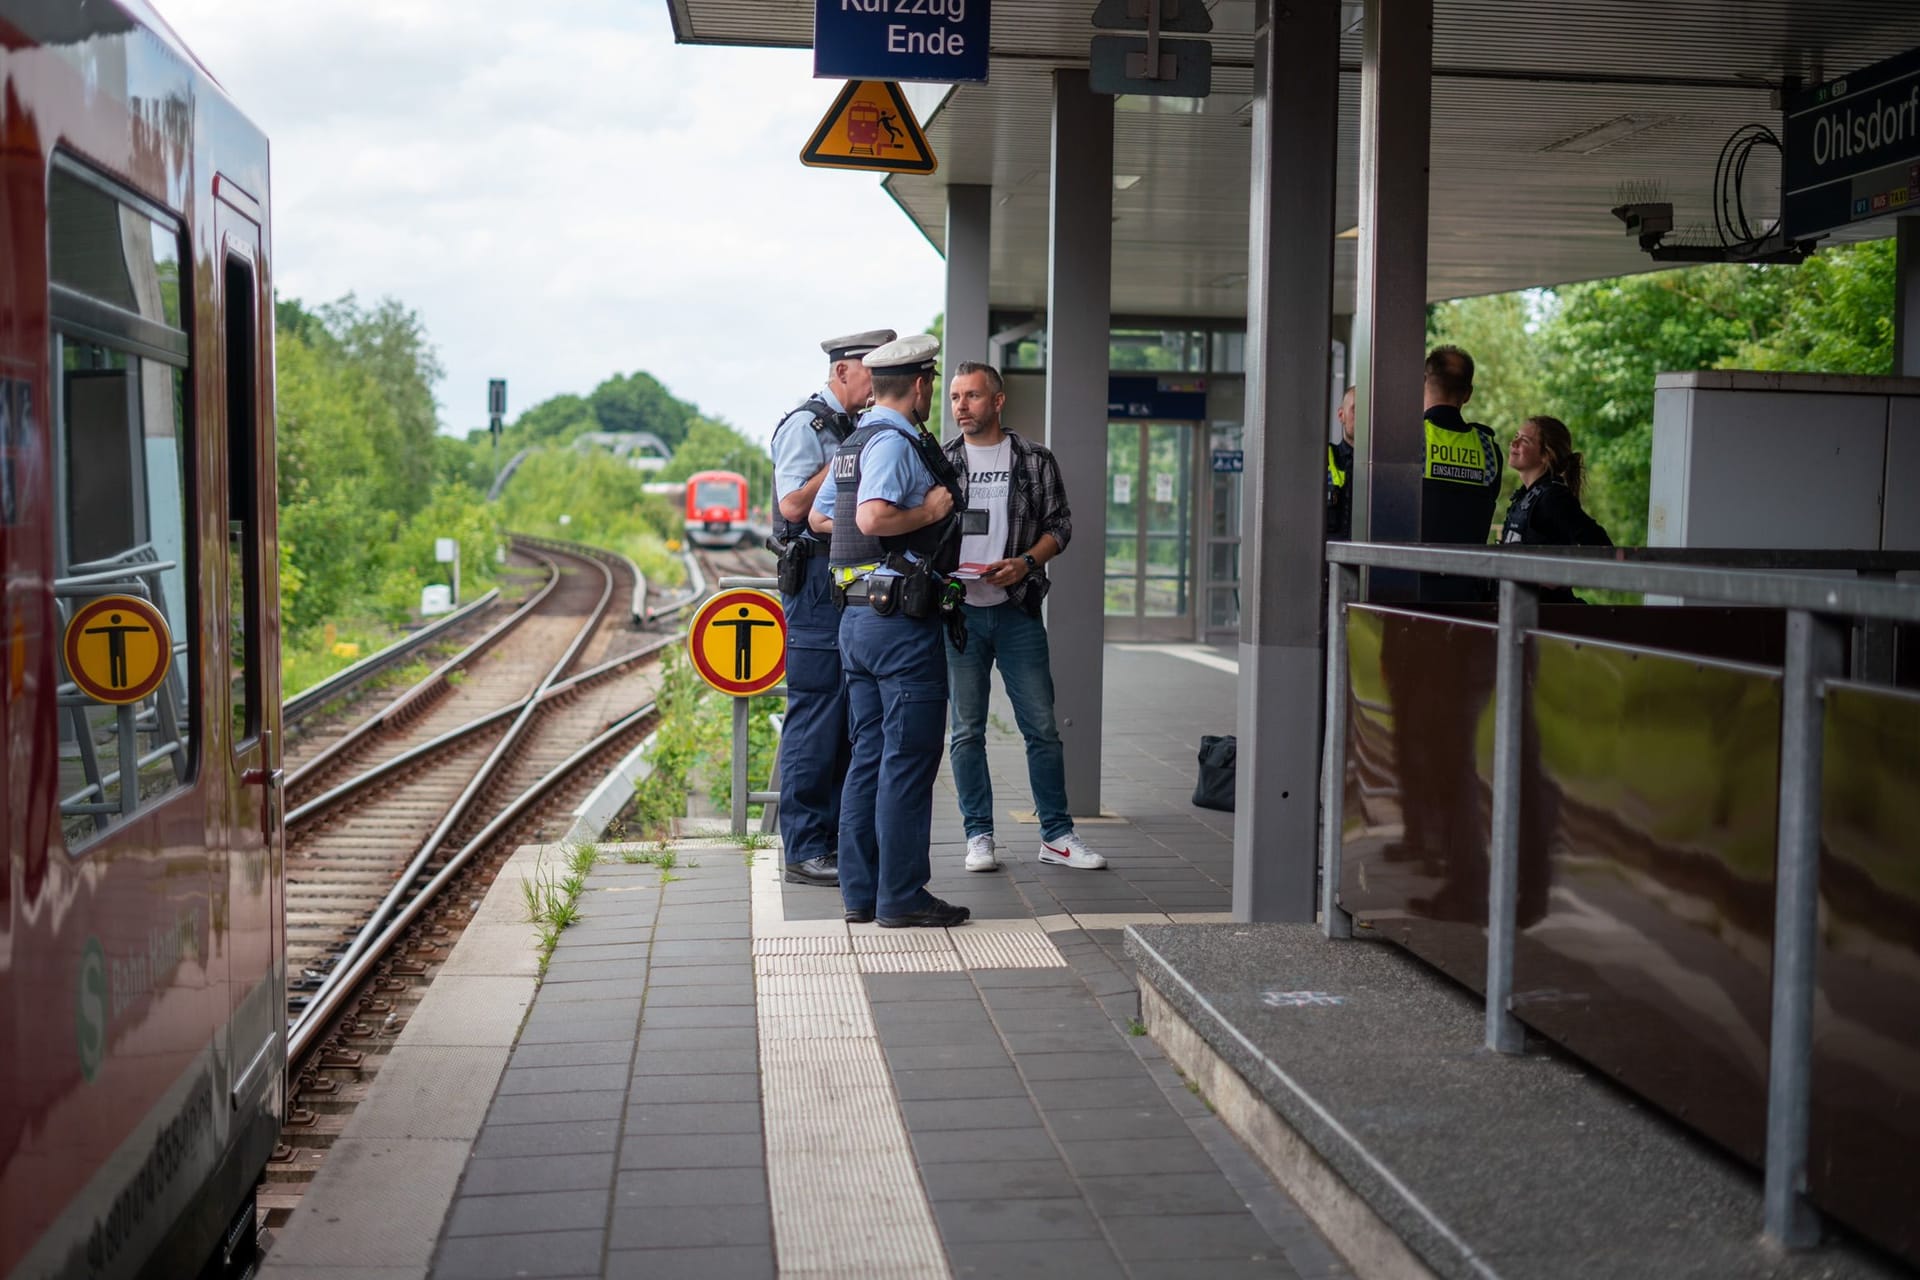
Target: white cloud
point(563, 193)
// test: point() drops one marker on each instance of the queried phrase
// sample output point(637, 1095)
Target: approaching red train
point(142, 1006)
point(716, 509)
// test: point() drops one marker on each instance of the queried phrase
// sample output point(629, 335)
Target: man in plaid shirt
point(1016, 520)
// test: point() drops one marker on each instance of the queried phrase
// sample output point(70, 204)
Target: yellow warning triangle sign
point(870, 126)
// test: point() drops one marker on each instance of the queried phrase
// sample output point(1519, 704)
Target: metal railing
point(1818, 610)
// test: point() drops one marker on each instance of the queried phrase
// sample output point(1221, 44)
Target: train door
point(132, 944)
point(250, 765)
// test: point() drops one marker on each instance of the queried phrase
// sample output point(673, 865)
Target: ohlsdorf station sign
point(939, 41)
point(1852, 149)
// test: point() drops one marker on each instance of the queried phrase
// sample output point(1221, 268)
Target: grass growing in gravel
point(552, 894)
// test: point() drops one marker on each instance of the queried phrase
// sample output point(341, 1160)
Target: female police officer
point(1545, 510)
point(889, 518)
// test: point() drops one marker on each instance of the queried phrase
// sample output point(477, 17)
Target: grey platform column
point(1390, 299)
point(969, 248)
point(1296, 109)
point(1079, 284)
point(1906, 298)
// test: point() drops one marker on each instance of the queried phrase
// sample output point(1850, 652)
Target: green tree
point(1836, 315)
point(637, 402)
point(1496, 331)
point(715, 446)
point(556, 419)
point(1604, 342)
point(366, 483)
point(605, 503)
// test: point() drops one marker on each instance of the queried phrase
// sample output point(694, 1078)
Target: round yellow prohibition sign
point(117, 649)
point(738, 642)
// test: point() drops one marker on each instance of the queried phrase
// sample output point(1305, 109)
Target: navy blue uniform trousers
point(814, 747)
point(896, 670)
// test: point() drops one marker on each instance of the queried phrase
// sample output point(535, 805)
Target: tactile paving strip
point(1007, 949)
point(910, 962)
point(846, 1195)
point(902, 940)
point(829, 945)
point(773, 965)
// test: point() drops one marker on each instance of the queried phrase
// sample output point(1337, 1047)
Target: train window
point(243, 504)
point(716, 493)
point(123, 527)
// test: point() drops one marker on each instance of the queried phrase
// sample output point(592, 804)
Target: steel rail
point(309, 700)
point(696, 588)
point(353, 970)
point(433, 746)
point(639, 611)
point(436, 678)
point(324, 995)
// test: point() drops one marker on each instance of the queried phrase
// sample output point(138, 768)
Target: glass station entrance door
point(1150, 510)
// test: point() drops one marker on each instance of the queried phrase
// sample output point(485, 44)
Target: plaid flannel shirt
point(1036, 504)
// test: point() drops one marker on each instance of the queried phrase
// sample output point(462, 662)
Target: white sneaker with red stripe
point(1070, 851)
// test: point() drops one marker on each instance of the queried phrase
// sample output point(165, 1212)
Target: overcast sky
point(561, 192)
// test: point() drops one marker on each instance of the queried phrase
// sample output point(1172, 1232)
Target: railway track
point(397, 825)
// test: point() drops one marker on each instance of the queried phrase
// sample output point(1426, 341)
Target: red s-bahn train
point(716, 509)
point(142, 982)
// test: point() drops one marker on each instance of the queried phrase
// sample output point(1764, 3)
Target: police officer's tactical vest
point(831, 426)
point(1461, 457)
point(852, 548)
point(1336, 474)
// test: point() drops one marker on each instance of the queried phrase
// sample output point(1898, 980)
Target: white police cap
point(848, 346)
point(916, 353)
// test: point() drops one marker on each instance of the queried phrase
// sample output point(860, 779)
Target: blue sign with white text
point(1850, 148)
point(937, 41)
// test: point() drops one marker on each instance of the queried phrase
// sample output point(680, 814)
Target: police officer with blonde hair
point(889, 505)
point(813, 742)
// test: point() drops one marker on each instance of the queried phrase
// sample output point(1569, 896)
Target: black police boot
point(935, 915)
point(823, 870)
point(859, 915)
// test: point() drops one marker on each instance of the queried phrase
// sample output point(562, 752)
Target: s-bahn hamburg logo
point(117, 649)
point(90, 1011)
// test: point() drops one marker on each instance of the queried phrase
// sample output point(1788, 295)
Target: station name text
point(1846, 133)
point(913, 37)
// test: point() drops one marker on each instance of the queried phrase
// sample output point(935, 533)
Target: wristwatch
point(1032, 564)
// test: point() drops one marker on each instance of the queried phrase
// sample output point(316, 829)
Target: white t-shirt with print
point(989, 475)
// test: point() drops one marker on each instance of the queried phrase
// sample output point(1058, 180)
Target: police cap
point(853, 345)
point(917, 353)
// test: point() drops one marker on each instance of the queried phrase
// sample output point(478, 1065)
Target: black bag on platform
point(1217, 759)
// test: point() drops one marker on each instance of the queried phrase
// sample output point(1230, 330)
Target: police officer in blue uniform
point(814, 748)
point(890, 508)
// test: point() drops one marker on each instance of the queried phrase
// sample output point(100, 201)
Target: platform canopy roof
point(1544, 112)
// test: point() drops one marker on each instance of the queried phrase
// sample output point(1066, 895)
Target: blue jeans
point(813, 742)
point(1007, 634)
point(896, 670)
